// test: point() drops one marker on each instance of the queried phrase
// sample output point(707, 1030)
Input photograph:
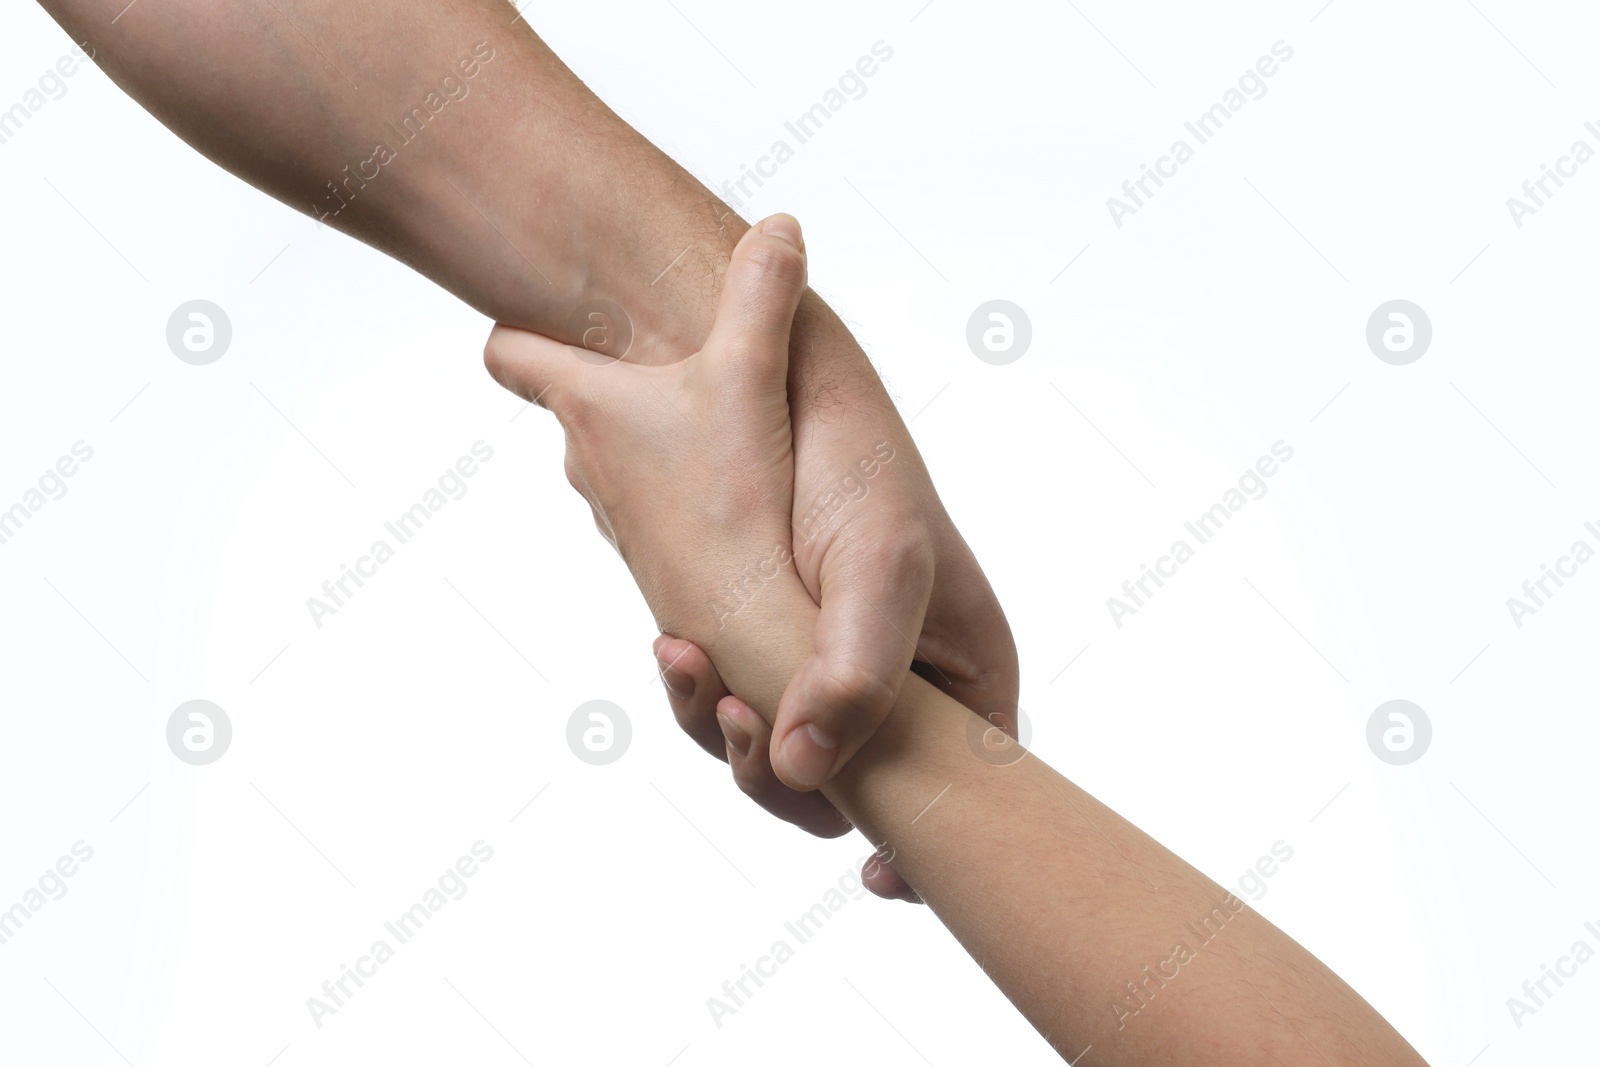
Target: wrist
point(762, 643)
point(827, 366)
point(668, 282)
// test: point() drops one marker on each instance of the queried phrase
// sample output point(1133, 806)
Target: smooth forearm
point(1097, 933)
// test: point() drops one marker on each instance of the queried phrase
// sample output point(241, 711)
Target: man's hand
point(897, 585)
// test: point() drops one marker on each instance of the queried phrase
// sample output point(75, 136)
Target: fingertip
point(497, 350)
point(529, 365)
point(806, 757)
point(828, 711)
point(681, 654)
point(753, 773)
point(744, 718)
point(884, 881)
point(771, 261)
point(785, 227)
point(693, 688)
point(744, 730)
point(684, 668)
point(737, 738)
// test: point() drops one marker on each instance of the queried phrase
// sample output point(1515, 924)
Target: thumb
point(874, 601)
point(534, 367)
point(760, 295)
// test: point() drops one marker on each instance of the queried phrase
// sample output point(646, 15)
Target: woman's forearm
point(1099, 935)
point(1096, 932)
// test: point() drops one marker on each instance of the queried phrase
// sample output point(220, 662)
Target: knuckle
point(494, 354)
point(574, 472)
point(777, 262)
point(689, 718)
point(576, 407)
point(851, 691)
point(748, 776)
point(907, 560)
point(693, 719)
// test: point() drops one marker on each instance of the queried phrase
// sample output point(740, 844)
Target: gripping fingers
point(747, 737)
point(693, 688)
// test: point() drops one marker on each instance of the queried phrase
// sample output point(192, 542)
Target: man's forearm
point(446, 133)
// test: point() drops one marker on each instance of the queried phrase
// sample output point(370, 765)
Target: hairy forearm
point(445, 133)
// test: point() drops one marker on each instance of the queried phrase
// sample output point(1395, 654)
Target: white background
point(1225, 716)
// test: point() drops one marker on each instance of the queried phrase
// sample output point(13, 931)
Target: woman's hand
point(689, 466)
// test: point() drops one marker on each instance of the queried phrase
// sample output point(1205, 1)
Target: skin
point(1101, 937)
point(527, 197)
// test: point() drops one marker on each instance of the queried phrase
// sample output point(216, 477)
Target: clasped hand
point(727, 513)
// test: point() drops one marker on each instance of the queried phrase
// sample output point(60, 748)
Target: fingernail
point(678, 683)
point(807, 755)
point(786, 227)
point(738, 740)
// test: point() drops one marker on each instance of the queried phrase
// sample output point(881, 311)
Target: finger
point(884, 881)
point(966, 642)
point(534, 367)
point(873, 603)
point(765, 281)
point(693, 688)
point(747, 737)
